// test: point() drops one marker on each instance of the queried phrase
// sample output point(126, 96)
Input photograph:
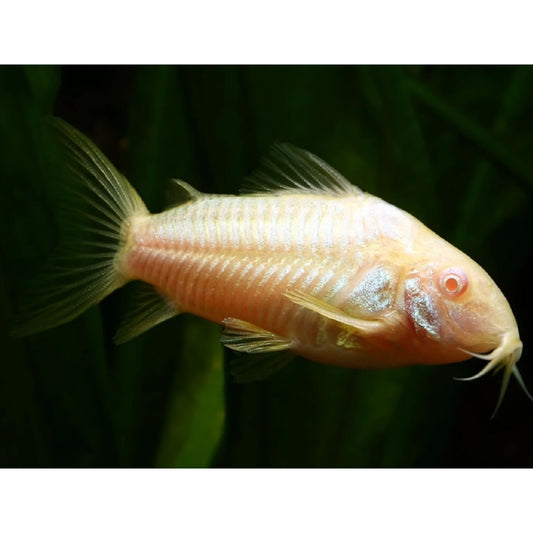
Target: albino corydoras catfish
point(303, 263)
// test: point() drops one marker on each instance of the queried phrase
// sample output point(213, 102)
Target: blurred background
point(451, 145)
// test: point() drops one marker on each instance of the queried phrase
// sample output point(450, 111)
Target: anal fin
point(148, 308)
point(265, 350)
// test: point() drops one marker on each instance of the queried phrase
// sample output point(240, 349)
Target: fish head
point(457, 311)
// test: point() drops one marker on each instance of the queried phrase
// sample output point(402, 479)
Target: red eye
point(453, 282)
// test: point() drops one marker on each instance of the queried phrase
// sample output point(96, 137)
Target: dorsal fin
point(287, 168)
point(180, 192)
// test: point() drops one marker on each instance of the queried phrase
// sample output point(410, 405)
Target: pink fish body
point(250, 257)
point(308, 265)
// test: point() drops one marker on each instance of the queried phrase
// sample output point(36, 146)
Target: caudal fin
point(84, 270)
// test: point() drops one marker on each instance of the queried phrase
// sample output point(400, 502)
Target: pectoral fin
point(265, 354)
point(361, 326)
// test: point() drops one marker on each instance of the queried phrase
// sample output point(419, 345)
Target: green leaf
point(196, 413)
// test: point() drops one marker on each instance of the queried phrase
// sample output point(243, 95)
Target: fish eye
point(453, 282)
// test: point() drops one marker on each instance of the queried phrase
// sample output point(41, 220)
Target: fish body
point(221, 257)
point(304, 262)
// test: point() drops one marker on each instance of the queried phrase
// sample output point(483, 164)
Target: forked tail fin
point(84, 270)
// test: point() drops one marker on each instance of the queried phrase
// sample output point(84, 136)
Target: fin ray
point(242, 336)
point(83, 271)
point(332, 312)
point(180, 192)
point(148, 309)
point(265, 351)
point(287, 168)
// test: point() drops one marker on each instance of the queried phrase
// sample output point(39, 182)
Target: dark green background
point(451, 145)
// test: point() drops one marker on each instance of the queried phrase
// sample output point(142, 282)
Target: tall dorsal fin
point(287, 168)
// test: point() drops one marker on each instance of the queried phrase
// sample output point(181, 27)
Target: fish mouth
point(504, 357)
